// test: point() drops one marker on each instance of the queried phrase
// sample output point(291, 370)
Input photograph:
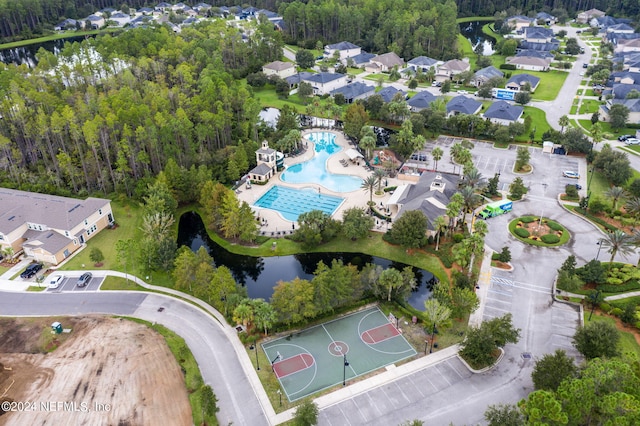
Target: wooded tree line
point(87, 122)
point(620, 8)
point(410, 27)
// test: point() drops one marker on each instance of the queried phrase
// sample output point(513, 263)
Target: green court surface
point(314, 359)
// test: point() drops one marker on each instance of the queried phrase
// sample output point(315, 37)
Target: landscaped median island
point(539, 231)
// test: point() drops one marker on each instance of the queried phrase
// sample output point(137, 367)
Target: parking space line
point(497, 309)
point(493, 299)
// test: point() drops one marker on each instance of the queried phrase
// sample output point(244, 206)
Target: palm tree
point(436, 314)
point(632, 206)
point(437, 154)
point(618, 241)
point(473, 178)
point(596, 133)
point(379, 175)
point(481, 228)
point(243, 314)
point(368, 143)
point(439, 225)
point(470, 199)
point(615, 193)
point(369, 184)
point(563, 122)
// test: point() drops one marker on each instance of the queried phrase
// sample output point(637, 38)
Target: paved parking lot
point(70, 284)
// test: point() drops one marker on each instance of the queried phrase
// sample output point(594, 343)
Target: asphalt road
point(216, 357)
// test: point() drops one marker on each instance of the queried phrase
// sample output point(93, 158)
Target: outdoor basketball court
point(314, 359)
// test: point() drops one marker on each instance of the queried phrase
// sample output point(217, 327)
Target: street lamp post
point(280, 395)
point(594, 298)
point(433, 336)
point(599, 243)
point(426, 343)
point(255, 349)
point(345, 364)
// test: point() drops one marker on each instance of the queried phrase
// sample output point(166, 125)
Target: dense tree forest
point(108, 113)
point(409, 27)
point(619, 8)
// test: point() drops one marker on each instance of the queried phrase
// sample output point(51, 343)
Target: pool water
point(291, 203)
point(315, 170)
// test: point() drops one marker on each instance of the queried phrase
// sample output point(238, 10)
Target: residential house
point(538, 34)
point(295, 80)
point(621, 28)
point(279, 68)
point(625, 77)
point(628, 45)
point(423, 63)
point(202, 8)
point(486, 74)
point(633, 105)
point(518, 22)
point(354, 91)
point(163, 7)
point(94, 22)
point(621, 91)
point(389, 92)
point(430, 195)
point(584, 17)
point(504, 113)
point(463, 105)
point(529, 61)
point(49, 228)
point(547, 18)
point(614, 38)
point(384, 63)
point(519, 81)
point(146, 11)
point(547, 46)
point(325, 82)
point(67, 24)
point(450, 68)
point(266, 164)
point(604, 22)
point(345, 48)
point(361, 60)
point(420, 101)
point(120, 19)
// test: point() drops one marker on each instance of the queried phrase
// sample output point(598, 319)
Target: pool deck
point(276, 223)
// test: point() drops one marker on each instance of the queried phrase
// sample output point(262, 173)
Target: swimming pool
point(315, 170)
point(291, 203)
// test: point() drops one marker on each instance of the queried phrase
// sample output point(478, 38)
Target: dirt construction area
point(106, 371)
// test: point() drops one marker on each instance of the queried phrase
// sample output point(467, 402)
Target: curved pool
point(315, 171)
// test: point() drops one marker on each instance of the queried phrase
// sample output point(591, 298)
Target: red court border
point(306, 360)
point(369, 338)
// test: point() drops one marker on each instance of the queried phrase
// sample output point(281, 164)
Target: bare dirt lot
point(102, 361)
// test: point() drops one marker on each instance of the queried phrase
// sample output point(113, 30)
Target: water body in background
point(260, 274)
point(472, 31)
point(27, 54)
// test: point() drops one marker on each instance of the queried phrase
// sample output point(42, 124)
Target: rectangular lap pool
point(291, 203)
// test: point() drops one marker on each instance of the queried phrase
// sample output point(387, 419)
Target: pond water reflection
point(472, 31)
point(260, 274)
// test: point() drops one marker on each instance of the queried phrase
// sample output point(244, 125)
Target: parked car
point(632, 141)
point(31, 270)
point(463, 92)
point(55, 280)
point(581, 73)
point(570, 174)
point(623, 138)
point(84, 279)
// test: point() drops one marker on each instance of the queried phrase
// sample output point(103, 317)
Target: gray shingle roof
point(421, 100)
point(632, 104)
point(343, 45)
point(49, 241)
point(298, 78)
point(362, 58)
point(540, 47)
point(353, 90)
point(261, 170)
point(521, 79)
point(489, 72)
point(530, 53)
point(324, 77)
point(20, 207)
point(538, 32)
point(502, 110)
point(620, 91)
point(463, 105)
point(423, 61)
point(389, 92)
point(421, 197)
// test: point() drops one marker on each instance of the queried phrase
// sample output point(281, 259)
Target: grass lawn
point(3, 269)
point(598, 185)
point(573, 110)
point(633, 149)
point(627, 343)
point(550, 83)
point(589, 106)
point(354, 71)
point(35, 288)
point(118, 283)
point(606, 128)
point(539, 123)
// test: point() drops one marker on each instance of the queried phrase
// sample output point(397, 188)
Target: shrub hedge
point(620, 288)
point(527, 219)
point(522, 233)
point(554, 225)
point(550, 239)
point(596, 219)
point(605, 307)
